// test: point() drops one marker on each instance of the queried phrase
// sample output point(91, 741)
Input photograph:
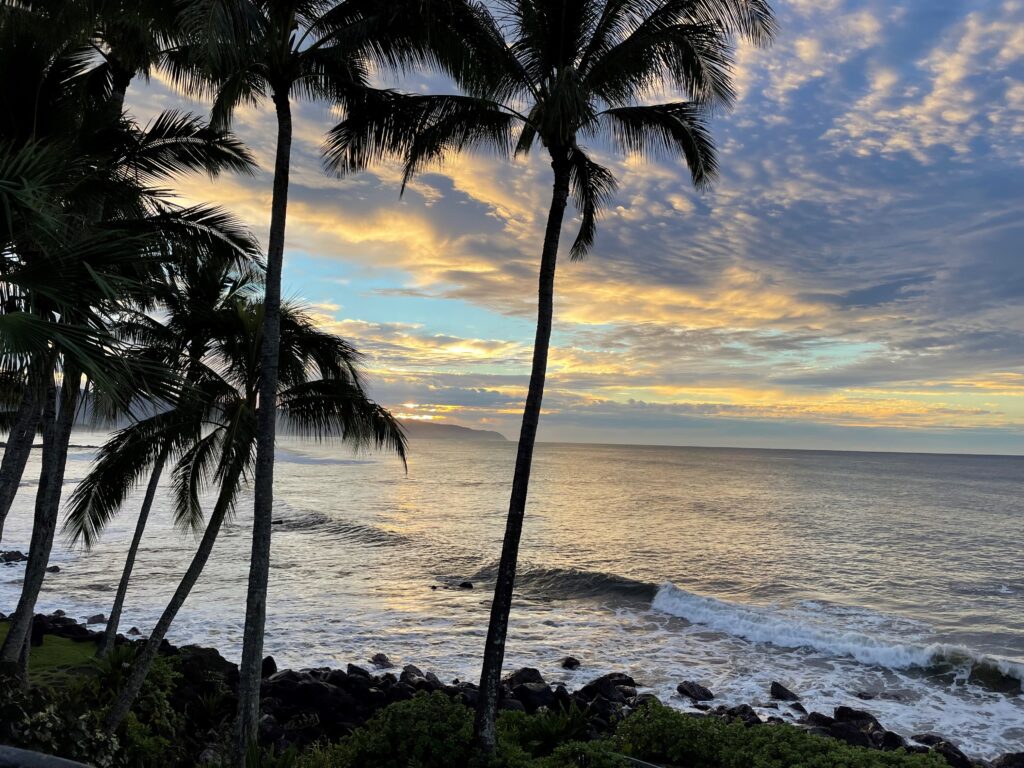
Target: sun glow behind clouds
point(858, 266)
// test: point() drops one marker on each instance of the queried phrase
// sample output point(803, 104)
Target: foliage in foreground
point(64, 718)
point(433, 731)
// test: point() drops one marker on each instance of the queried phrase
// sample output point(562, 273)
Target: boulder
point(1009, 760)
point(465, 585)
point(134, 632)
point(570, 662)
point(796, 706)
point(268, 667)
point(523, 676)
point(53, 569)
point(513, 705)
point(381, 661)
point(352, 669)
point(12, 556)
point(694, 691)
point(782, 693)
point(928, 739)
point(851, 733)
point(952, 755)
point(892, 741)
point(744, 713)
point(98, 618)
point(615, 687)
point(818, 720)
point(534, 696)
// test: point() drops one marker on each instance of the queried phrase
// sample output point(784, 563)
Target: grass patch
point(52, 662)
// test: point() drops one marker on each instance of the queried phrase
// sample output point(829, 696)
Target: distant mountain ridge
point(436, 431)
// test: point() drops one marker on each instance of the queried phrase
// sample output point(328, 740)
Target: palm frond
point(592, 186)
point(677, 127)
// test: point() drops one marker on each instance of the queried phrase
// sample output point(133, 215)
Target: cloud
point(857, 266)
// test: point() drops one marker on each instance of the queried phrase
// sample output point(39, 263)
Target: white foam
point(809, 626)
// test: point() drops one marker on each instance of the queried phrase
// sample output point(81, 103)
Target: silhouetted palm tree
point(555, 73)
point(178, 340)
point(245, 51)
point(319, 393)
point(109, 232)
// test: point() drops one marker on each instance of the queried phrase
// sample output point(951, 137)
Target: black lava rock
point(694, 691)
point(782, 693)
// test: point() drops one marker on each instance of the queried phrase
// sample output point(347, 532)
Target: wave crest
point(807, 629)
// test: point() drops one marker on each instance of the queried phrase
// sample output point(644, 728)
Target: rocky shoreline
point(305, 706)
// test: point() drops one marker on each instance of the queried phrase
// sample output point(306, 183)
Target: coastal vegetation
point(122, 305)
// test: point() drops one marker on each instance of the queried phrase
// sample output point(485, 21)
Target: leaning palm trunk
point(140, 668)
point(263, 485)
point(17, 451)
point(497, 628)
point(110, 633)
point(51, 483)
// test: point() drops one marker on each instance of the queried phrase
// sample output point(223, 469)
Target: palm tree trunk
point(18, 449)
point(263, 484)
point(485, 733)
point(110, 633)
point(48, 496)
point(140, 668)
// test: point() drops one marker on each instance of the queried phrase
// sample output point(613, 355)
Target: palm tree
point(244, 51)
point(214, 435)
point(113, 232)
point(180, 339)
point(556, 73)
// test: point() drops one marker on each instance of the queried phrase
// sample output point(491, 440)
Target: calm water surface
point(898, 577)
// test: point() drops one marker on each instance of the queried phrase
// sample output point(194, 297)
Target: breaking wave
point(804, 627)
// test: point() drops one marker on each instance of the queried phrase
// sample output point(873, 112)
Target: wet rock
point(851, 733)
point(615, 687)
point(534, 696)
point(798, 707)
point(58, 614)
point(523, 676)
point(952, 755)
point(744, 713)
point(134, 632)
point(694, 691)
point(512, 705)
point(644, 699)
point(352, 669)
point(818, 720)
point(891, 741)
point(570, 662)
point(782, 693)
point(400, 692)
point(928, 739)
point(410, 670)
point(1009, 760)
point(12, 556)
point(268, 667)
point(851, 715)
point(465, 585)
point(98, 618)
point(53, 569)
point(381, 661)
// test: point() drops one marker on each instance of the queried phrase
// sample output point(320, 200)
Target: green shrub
point(542, 733)
point(583, 754)
point(658, 733)
point(55, 724)
point(151, 730)
point(428, 731)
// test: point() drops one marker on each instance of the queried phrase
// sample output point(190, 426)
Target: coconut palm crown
point(558, 74)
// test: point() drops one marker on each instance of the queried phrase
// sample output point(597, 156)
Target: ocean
point(888, 582)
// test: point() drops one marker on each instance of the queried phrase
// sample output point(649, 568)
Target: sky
point(855, 279)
